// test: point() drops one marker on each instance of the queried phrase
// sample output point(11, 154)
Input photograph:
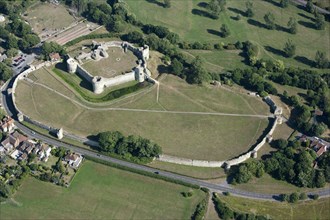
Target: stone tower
point(60, 133)
point(72, 65)
point(98, 84)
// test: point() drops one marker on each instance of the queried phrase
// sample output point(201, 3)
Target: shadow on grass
point(281, 28)
point(275, 51)
point(305, 60)
point(202, 13)
point(214, 32)
point(203, 4)
point(237, 11)
point(84, 83)
point(256, 23)
point(163, 69)
point(273, 3)
point(307, 24)
point(156, 2)
point(301, 7)
point(307, 17)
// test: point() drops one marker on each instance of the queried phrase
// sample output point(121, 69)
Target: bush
point(187, 194)
point(314, 197)
point(201, 208)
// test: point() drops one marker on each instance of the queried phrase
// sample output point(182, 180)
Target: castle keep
point(140, 73)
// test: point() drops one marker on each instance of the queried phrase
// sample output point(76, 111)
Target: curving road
point(8, 106)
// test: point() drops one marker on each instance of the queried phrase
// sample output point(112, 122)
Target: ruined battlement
point(140, 73)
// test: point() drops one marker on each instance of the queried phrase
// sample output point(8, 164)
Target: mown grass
point(181, 18)
point(49, 16)
point(267, 184)
point(192, 136)
point(111, 193)
point(318, 209)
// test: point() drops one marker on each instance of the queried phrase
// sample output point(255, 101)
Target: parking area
point(81, 29)
point(22, 62)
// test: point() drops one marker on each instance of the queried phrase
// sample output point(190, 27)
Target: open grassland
point(48, 17)
point(211, 137)
point(267, 184)
point(196, 172)
point(117, 63)
point(318, 209)
point(111, 193)
point(183, 18)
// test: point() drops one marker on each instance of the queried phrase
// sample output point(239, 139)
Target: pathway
point(150, 111)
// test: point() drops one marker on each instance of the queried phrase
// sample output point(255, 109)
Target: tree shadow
point(281, 28)
point(301, 7)
point(305, 16)
point(256, 23)
point(305, 60)
point(302, 95)
point(237, 11)
point(156, 2)
point(202, 13)
point(273, 2)
point(275, 51)
point(163, 69)
point(306, 24)
point(235, 18)
point(214, 32)
point(203, 4)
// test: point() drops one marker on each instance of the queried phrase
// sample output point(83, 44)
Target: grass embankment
point(111, 193)
point(208, 137)
point(318, 209)
point(108, 97)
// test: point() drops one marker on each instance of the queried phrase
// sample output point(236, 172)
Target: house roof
point(6, 122)
point(54, 56)
point(321, 150)
point(72, 157)
point(318, 112)
point(19, 136)
point(24, 156)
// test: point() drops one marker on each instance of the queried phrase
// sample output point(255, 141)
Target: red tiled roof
point(321, 150)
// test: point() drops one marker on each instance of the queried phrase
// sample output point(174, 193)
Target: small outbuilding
point(2, 18)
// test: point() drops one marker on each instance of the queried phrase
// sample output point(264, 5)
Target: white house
point(73, 160)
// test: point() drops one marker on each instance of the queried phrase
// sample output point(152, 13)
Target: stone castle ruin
point(99, 51)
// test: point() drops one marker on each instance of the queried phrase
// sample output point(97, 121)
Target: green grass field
point(182, 19)
point(102, 192)
point(196, 172)
point(48, 16)
point(117, 63)
point(318, 209)
point(210, 137)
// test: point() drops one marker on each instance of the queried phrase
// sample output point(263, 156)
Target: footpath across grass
point(102, 192)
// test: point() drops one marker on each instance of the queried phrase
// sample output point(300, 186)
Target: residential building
point(73, 160)
point(7, 124)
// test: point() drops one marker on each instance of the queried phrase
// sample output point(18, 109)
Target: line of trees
point(133, 148)
point(292, 162)
point(225, 212)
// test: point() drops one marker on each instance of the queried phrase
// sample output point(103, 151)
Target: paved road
point(7, 104)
